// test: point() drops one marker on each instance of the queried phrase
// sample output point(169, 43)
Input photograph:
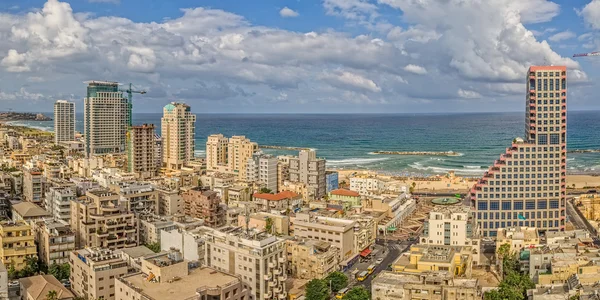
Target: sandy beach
point(461, 184)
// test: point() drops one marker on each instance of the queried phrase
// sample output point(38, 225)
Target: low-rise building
point(268, 222)
point(139, 197)
point(58, 201)
point(170, 201)
point(425, 286)
point(279, 202)
point(150, 227)
point(346, 198)
point(55, 241)
point(29, 212)
point(311, 259)
point(205, 204)
point(18, 244)
point(366, 184)
point(518, 238)
point(39, 286)
point(455, 260)
point(94, 271)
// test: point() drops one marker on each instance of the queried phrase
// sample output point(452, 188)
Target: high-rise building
point(262, 168)
point(178, 128)
point(64, 121)
point(107, 116)
point(141, 155)
point(205, 204)
point(94, 272)
point(216, 152)
point(310, 170)
point(229, 155)
point(58, 201)
point(527, 185)
point(158, 151)
point(33, 185)
point(259, 259)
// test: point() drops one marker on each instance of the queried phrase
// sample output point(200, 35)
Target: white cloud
point(287, 12)
point(350, 9)
point(415, 69)
point(561, 36)
point(591, 14)
point(468, 94)
point(20, 95)
point(351, 80)
point(543, 32)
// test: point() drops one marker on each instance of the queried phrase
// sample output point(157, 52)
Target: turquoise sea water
point(348, 140)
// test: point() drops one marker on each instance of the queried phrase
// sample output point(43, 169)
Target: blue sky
point(297, 55)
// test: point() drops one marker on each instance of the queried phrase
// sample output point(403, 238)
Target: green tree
point(357, 293)
point(338, 280)
point(154, 247)
point(317, 289)
point(61, 272)
point(269, 225)
point(266, 191)
point(52, 295)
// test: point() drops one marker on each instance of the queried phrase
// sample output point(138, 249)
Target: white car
point(379, 260)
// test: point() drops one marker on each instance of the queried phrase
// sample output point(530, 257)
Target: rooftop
point(30, 210)
point(345, 192)
point(183, 288)
point(38, 287)
point(136, 252)
point(276, 197)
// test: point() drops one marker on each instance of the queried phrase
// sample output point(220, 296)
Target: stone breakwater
point(584, 151)
point(423, 153)
point(282, 147)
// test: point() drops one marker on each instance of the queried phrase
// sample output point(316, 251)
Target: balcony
point(271, 265)
point(277, 272)
point(282, 295)
point(272, 283)
point(282, 260)
point(282, 278)
point(268, 277)
point(268, 295)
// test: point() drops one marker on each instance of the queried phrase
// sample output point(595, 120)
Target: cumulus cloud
point(561, 36)
point(468, 94)
point(287, 12)
point(591, 14)
point(482, 45)
point(415, 69)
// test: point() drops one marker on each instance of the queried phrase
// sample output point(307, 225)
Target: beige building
point(29, 212)
point(18, 244)
point(138, 197)
point(518, 238)
point(258, 259)
point(310, 170)
point(64, 121)
point(141, 155)
point(281, 201)
point(526, 186)
point(150, 227)
point(229, 155)
point(311, 259)
point(94, 272)
point(170, 201)
point(425, 286)
point(177, 132)
point(55, 241)
point(100, 220)
point(455, 260)
point(37, 288)
point(166, 276)
point(262, 221)
point(33, 185)
point(262, 169)
point(216, 152)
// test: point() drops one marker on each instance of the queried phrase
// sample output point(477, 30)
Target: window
point(554, 139)
point(542, 139)
point(553, 203)
point(482, 205)
point(506, 205)
point(530, 205)
point(542, 204)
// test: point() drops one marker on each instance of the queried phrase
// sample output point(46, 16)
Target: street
point(392, 251)
point(575, 219)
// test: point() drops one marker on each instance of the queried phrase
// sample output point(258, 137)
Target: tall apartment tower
point(178, 128)
point(216, 151)
point(64, 121)
point(310, 170)
point(262, 168)
point(239, 150)
point(527, 185)
point(107, 116)
point(141, 155)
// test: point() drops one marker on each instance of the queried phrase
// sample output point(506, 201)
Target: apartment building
point(310, 170)
point(158, 151)
point(167, 276)
point(33, 185)
point(55, 241)
point(204, 204)
point(178, 131)
point(364, 184)
point(457, 261)
point(141, 155)
point(29, 213)
point(526, 186)
point(283, 171)
point(331, 181)
point(518, 238)
point(229, 155)
point(170, 201)
point(94, 272)
point(346, 198)
point(139, 198)
point(18, 244)
point(58, 201)
point(451, 226)
point(259, 259)
point(216, 152)
point(107, 116)
point(150, 227)
point(426, 286)
point(64, 121)
point(281, 201)
point(262, 169)
point(100, 220)
point(262, 221)
point(311, 259)
point(39, 286)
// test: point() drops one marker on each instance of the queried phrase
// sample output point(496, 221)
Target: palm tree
point(52, 295)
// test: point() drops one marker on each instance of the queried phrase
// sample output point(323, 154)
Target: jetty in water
point(423, 153)
point(584, 151)
point(282, 147)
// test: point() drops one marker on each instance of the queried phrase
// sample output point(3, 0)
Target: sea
point(348, 141)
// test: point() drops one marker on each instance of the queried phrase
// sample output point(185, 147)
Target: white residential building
point(310, 170)
point(366, 184)
point(58, 200)
point(64, 121)
point(262, 168)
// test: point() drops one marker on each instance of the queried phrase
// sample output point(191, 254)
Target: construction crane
point(129, 92)
point(597, 53)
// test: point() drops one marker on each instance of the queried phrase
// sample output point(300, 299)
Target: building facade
point(311, 259)
point(331, 181)
point(310, 170)
point(55, 241)
point(33, 185)
point(94, 271)
point(216, 152)
point(262, 169)
point(527, 185)
point(18, 244)
point(141, 155)
point(178, 131)
point(64, 121)
point(204, 204)
point(59, 202)
point(107, 116)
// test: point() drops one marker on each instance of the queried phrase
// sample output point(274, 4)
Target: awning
point(365, 252)
point(392, 228)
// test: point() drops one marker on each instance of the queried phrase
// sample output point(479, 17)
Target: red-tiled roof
point(276, 197)
point(344, 192)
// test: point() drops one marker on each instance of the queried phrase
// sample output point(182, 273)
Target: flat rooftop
point(185, 287)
